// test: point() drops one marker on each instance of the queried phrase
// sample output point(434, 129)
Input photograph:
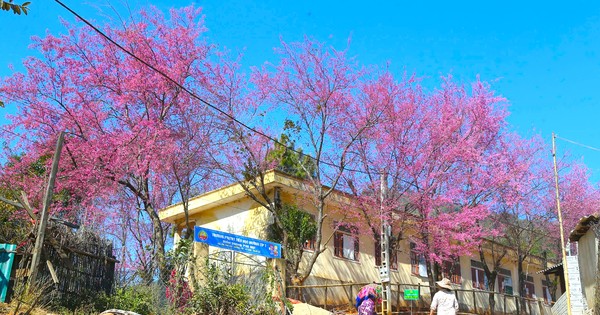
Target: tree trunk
point(491, 296)
point(158, 239)
point(491, 275)
point(521, 304)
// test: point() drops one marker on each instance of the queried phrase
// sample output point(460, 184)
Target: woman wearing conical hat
point(444, 301)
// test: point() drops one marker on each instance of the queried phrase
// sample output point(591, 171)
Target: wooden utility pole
point(560, 223)
point(43, 221)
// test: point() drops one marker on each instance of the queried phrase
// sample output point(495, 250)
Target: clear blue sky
point(543, 56)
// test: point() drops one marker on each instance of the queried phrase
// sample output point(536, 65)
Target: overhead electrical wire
point(235, 120)
point(577, 143)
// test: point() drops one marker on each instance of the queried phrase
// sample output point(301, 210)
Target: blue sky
point(543, 56)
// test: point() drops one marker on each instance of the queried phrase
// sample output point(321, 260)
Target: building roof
point(227, 194)
point(583, 226)
point(556, 269)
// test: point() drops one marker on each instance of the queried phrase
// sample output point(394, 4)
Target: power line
point(110, 40)
point(577, 143)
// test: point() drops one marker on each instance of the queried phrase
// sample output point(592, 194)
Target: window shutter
point(377, 253)
point(337, 244)
point(356, 248)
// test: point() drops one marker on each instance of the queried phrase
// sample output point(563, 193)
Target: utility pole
point(384, 269)
point(39, 240)
point(560, 222)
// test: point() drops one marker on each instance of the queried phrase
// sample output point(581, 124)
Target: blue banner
point(237, 243)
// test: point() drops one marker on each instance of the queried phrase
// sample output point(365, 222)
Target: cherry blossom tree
point(317, 88)
point(124, 119)
point(518, 169)
point(578, 197)
point(526, 210)
point(438, 150)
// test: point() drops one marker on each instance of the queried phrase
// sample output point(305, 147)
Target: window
point(451, 270)
point(529, 288)
point(478, 277)
point(505, 285)
point(345, 244)
point(393, 256)
point(309, 245)
point(546, 291)
point(418, 266)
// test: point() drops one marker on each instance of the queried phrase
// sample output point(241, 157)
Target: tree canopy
point(140, 138)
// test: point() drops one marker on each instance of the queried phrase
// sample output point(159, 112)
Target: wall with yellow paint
point(238, 214)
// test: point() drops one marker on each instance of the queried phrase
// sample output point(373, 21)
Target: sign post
point(237, 243)
point(411, 295)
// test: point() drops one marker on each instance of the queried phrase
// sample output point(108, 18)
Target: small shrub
point(138, 298)
point(217, 296)
point(178, 292)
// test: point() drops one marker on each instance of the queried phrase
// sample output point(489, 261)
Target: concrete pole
point(385, 250)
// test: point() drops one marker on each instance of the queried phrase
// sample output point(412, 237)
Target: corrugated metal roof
point(553, 268)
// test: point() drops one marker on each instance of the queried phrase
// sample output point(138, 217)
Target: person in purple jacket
point(367, 299)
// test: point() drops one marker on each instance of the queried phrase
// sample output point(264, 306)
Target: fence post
point(398, 298)
point(419, 291)
point(352, 300)
point(504, 312)
point(325, 297)
point(474, 302)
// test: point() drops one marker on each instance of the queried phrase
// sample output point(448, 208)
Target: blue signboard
point(237, 243)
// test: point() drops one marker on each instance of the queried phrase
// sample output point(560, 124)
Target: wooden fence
point(77, 262)
point(342, 296)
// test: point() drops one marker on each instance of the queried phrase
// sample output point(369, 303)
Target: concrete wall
point(588, 265)
point(246, 217)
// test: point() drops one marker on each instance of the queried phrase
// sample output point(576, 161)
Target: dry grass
point(9, 309)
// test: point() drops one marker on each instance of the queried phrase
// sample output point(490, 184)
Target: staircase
point(578, 303)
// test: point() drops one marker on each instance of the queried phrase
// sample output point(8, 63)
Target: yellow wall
point(245, 217)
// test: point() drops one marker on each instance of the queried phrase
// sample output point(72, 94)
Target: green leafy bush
point(142, 299)
point(220, 293)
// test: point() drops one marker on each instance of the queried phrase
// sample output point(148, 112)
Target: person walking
point(444, 301)
point(367, 299)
